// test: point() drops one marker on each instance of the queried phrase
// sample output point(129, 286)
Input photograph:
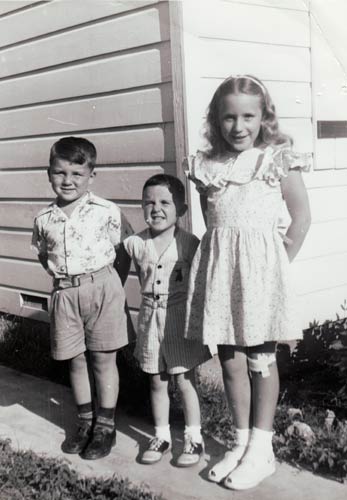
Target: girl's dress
point(239, 290)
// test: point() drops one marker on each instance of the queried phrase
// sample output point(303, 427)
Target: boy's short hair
point(174, 185)
point(75, 150)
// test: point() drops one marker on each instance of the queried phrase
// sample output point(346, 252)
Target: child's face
point(69, 180)
point(159, 208)
point(240, 118)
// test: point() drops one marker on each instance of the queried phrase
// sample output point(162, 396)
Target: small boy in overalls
point(76, 237)
point(162, 255)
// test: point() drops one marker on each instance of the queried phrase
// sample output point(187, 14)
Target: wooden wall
point(100, 70)
point(272, 39)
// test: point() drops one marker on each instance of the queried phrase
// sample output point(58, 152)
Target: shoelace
point(155, 444)
point(189, 445)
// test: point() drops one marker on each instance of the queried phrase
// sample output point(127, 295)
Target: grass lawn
point(24, 475)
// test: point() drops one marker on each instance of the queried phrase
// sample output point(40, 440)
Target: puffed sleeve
point(278, 161)
point(193, 167)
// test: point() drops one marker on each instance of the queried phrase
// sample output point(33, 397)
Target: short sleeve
point(38, 243)
point(191, 167)
point(278, 162)
point(118, 226)
point(128, 244)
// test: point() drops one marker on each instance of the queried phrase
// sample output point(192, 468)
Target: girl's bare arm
point(295, 196)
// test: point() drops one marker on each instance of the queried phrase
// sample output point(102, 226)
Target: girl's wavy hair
point(246, 84)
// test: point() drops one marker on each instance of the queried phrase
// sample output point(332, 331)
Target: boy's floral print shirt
point(83, 242)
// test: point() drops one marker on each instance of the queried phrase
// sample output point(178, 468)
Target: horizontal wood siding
point(272, 40)
point(100, 70)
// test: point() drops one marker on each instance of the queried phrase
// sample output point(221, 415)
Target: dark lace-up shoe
point(156, 449)
point(100, 444)
point(192, 452)
point(78, 441)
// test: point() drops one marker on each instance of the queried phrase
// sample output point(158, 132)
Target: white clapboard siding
point(331, 305)
point(152, 105)
point(228, 20)
point(221, 58)
point(126, 146)
point(120, 183)
point(143, 67)
point(280, 4)
point(19, 274)
point(114, 35)
point(325, 238)
point(323, 273)
point(9, 6)
point(291, 99)
point(21, 214)
point(53, 16)
point(103, 73)
point(328, 203)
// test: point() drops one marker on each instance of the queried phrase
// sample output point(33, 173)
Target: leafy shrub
point(26, 475)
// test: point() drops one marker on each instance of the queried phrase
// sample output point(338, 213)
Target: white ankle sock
point(261, 440)
point(195, 432)
point(163, 432)
point(242, 437)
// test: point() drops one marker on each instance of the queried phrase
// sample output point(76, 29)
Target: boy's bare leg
point(160, 401)
point(160, 404)
point(80, 380)
point(81, 388)
point(105, 373)
point(193, 444)
point(190, 400)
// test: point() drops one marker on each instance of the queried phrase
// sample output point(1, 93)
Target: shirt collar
point(90, 198)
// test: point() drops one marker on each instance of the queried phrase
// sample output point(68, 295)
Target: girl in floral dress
point(240, 298)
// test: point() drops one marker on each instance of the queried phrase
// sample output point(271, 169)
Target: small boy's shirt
point(165, 275)
point(82, 243)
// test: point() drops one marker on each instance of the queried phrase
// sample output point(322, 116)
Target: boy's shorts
point(91, 316)
point(161, 346)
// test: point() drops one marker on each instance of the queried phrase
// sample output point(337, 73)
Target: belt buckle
point(75, 281)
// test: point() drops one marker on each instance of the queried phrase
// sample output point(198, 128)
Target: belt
point(162, 301)
point(79, 279)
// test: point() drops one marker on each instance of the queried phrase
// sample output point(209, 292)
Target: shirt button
point(158, 282)
point(157, 297)
point(68, 254)
point(63, 268)
point(160, 266)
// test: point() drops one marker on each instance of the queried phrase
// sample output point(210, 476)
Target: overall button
point(157, 297)
point(158, 282)
point(160, 266)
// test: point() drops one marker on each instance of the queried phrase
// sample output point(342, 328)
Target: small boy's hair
point(174, 185)
point(75, 150)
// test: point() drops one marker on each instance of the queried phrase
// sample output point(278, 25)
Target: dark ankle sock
point(85, 412)
point(105, 417)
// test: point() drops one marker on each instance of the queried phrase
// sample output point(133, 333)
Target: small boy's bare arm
point(122, 263)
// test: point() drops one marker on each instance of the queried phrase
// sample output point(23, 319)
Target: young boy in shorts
point(76, 237)
point(162, 255)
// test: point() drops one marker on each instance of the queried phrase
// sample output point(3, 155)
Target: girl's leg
point(160, 404)
point(81, 388)
point(265, 389)
point(105, 372)
point(193, 443)
point(237, 386)
point(259, 462)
